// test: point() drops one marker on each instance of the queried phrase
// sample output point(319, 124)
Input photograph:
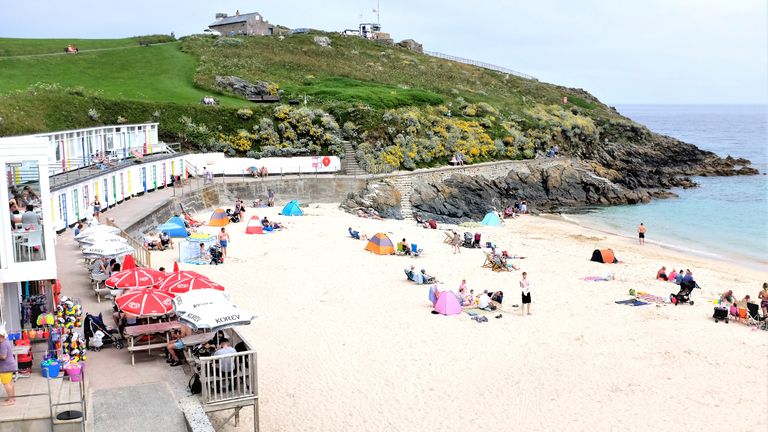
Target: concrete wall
point(317, 190)
point(489, 170)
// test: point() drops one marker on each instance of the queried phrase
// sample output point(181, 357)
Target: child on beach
point(525, 287)
point(223, 241)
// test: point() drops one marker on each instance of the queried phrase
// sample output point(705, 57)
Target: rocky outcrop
point(242, 87)
point(322, 41)
point(382, 196)
point(412, 45)
point(547, 185)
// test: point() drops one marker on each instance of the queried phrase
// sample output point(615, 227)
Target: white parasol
point(106, 229)
point(100, 238)
point(109, 250)
point(210, 310)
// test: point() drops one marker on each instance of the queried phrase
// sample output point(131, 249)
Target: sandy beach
point(346, 343)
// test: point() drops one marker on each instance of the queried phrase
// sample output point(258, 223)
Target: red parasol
point(175, 266)
point(135, 279)
point(129, 263)
point(145, 303)
point(183, 285)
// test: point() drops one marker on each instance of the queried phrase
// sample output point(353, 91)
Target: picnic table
point(133, 333)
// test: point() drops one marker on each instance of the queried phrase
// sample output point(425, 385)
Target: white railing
point(479, 64)
point(228, 377)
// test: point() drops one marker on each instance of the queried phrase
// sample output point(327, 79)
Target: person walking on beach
point(525, 287)
point(223, 241)
point(270, 198)
point(641, 233)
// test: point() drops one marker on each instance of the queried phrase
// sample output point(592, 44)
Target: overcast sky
point(622, 51)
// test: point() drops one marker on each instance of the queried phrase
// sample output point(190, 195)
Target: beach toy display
point(50, 368)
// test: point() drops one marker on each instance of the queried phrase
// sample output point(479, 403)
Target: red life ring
point(326, 161)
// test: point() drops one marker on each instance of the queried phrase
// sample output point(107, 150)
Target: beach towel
point(631, 302)
point(595, 279)
point(651, 298)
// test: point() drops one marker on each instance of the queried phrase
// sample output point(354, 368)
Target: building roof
point(235, 19)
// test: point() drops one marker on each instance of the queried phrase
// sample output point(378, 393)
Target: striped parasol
point(182, 285)
point(145, 303)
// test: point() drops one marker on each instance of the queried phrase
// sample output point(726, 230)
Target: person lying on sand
point(356, 234)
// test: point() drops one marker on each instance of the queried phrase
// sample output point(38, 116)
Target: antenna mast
point(378, 13)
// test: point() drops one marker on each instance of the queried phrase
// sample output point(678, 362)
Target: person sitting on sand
point(464, 296)
point(662, 273)
point(672, 275)
point(265, 222)
point(484, 301)
point(410, 273)
point(203, 253)
point(354, 234)
point(688, 278)
point(727, 298)
point(679, 277)
point(497, 298)
point(424, 278)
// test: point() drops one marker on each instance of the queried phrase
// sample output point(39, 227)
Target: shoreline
point(744, 261)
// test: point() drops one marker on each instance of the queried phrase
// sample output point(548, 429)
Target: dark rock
point(242, 87)
point(381, 196)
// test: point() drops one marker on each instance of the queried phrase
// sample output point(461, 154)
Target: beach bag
point(194, 385)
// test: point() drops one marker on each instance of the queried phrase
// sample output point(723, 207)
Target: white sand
point(347, 344)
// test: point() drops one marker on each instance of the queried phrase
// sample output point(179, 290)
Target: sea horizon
point(724, 216)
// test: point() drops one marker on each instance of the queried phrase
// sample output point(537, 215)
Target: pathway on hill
point(62, 53)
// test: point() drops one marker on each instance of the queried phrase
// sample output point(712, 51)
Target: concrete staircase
point(349, 163)
point(404, 185)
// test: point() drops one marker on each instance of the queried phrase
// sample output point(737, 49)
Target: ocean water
point(725, 217)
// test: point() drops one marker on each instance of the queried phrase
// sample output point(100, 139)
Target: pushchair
point(468, 239)
point(97, 334)
point(476, 242)
point(216, 256)
point(684, 295)
point(233, 217)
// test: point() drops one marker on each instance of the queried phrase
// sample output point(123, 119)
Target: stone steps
point(404, 185)
point(349, 164)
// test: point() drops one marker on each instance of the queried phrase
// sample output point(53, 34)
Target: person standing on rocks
point(641, 233)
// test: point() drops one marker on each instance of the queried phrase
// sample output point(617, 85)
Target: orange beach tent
point(219, 218)
point(380, 244)
point(605, 256)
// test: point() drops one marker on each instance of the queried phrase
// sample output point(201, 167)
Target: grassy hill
point(402, 109)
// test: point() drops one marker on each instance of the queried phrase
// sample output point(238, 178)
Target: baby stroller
point(233, 217)
point(468, 239)
point(684, 295)
point(476, 243)
point(216, 256)
point(97, 334)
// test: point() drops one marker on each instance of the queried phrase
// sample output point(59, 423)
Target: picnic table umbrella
point(189, 301)
point(179, 276)
point(180, 285)
point(145, 303)
point(136, 278)
point(106, 229)
point(109, 250)
point(129, 263)
point(96, 238)
point(210, 310)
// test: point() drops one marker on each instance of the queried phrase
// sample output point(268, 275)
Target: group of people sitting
point(513, 211)
point(424, 223)
point(420, 277)
point(457, 159)
point(162, 242)
point(266, 223)
point(101, 160)
point(466, 297)
point(405, 248)
point(728, 299)
point(674, 276)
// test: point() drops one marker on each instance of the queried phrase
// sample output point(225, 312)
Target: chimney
point(221, 15)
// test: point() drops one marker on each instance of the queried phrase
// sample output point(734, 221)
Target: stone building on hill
point(252, 24)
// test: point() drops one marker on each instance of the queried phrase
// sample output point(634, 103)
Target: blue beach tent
point(178, 229)
point(292, 209)
point(491, 219)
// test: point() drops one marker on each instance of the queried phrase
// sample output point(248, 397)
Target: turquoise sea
point(725, 216)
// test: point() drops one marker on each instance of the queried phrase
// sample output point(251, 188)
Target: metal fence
point(479, 64)
point(141, 255)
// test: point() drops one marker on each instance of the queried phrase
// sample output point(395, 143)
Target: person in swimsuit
point(763, 296)
point(96, 207)
point(641, 233)
point(223, 241)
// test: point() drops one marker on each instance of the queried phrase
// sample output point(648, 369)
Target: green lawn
point(16, 47)
point(159, 73)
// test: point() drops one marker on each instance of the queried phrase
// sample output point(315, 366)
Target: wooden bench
point(133, 332)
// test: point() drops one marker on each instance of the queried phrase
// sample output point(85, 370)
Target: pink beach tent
point(448, 304)
point(254, 226)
